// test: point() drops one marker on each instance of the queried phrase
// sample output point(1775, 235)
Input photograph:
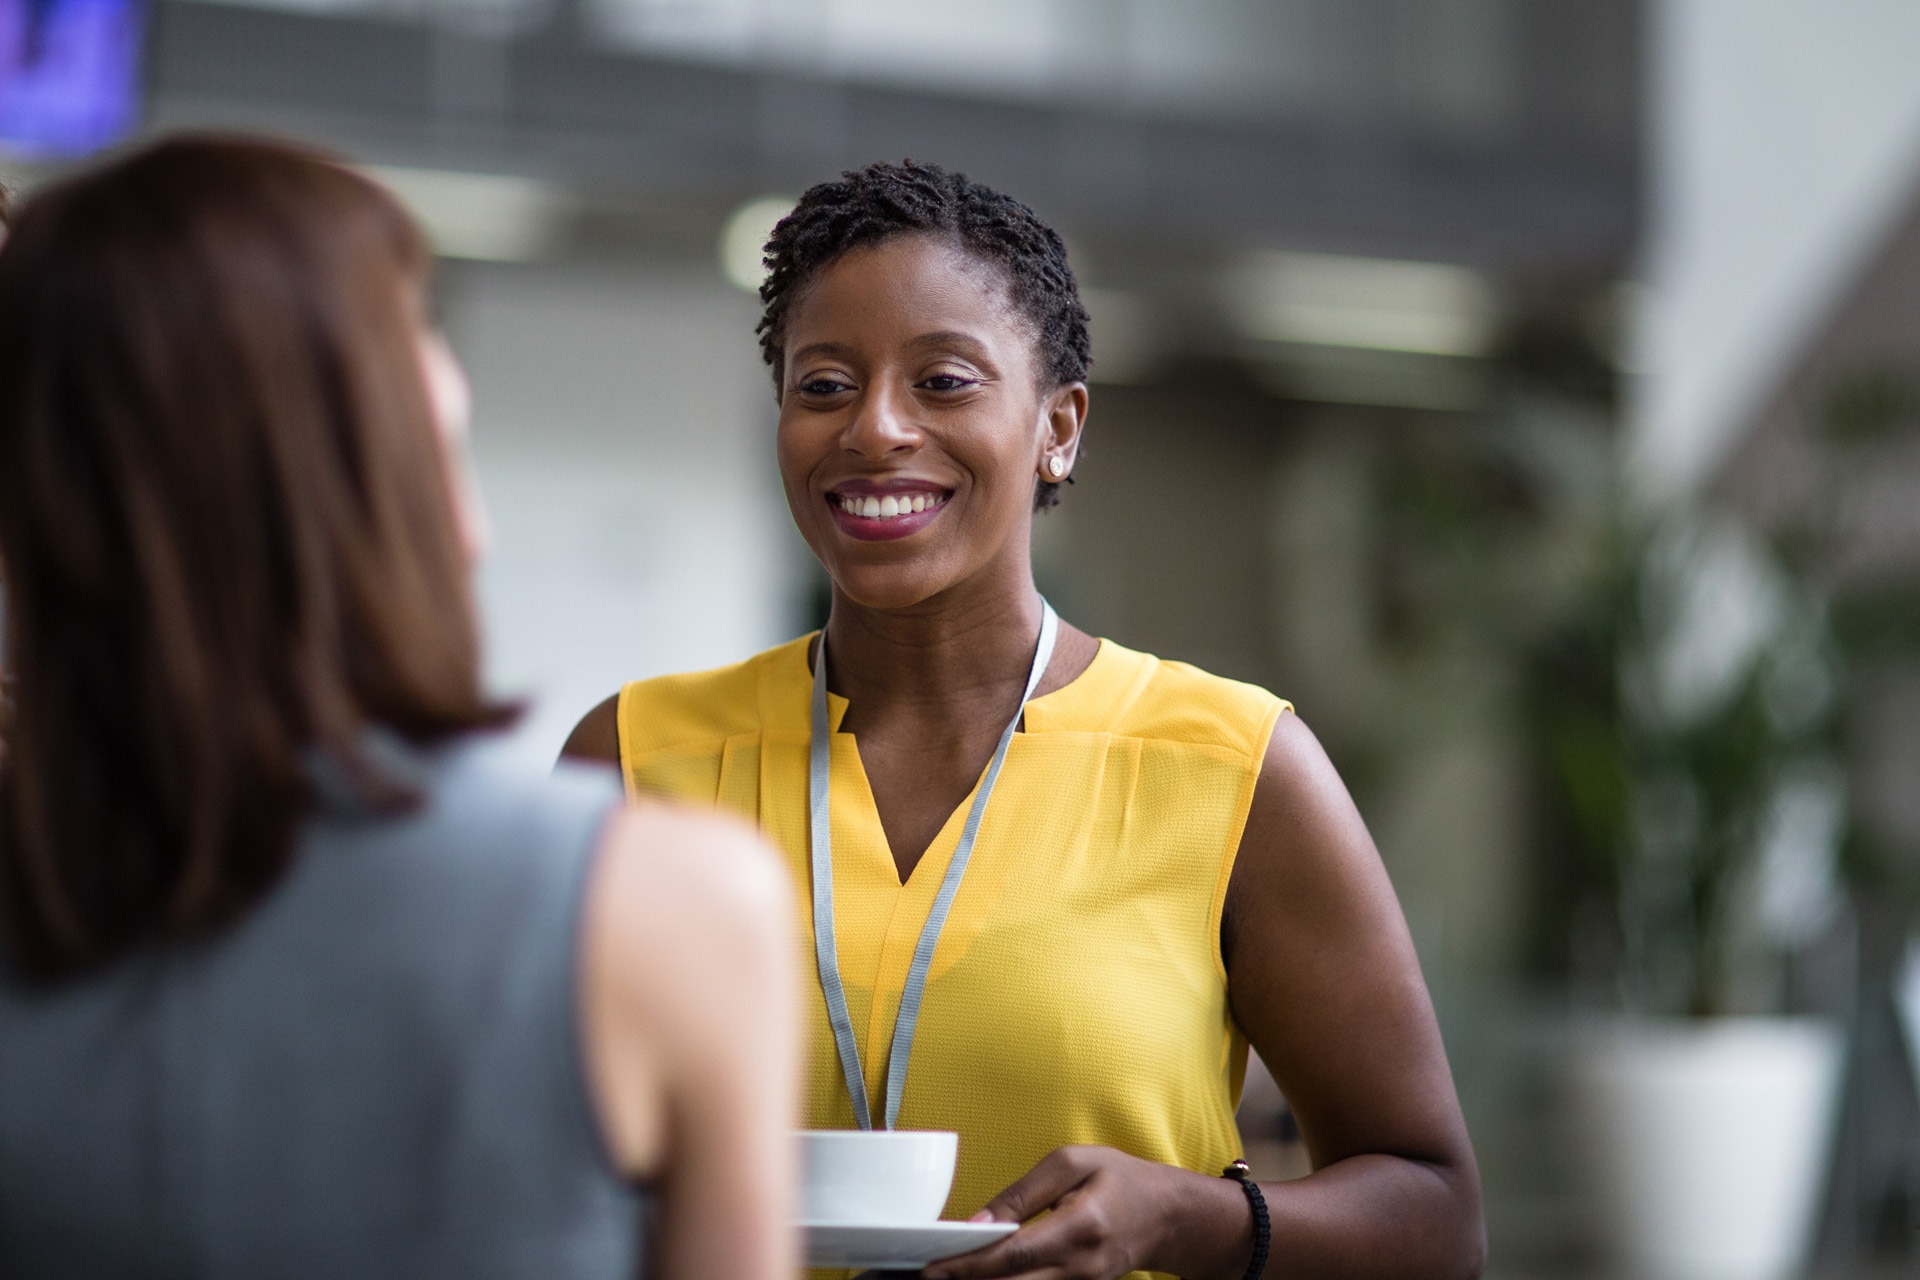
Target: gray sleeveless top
point(377, 1072)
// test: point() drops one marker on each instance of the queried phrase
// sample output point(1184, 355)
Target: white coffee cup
point(871, 1178)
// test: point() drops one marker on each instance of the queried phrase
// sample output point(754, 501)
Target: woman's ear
point(1066, 417)
point(451, 400)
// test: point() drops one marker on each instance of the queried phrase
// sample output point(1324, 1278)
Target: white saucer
point(839, 1244)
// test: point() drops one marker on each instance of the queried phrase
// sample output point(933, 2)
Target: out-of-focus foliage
point(1723, 726)
point(1674, 767)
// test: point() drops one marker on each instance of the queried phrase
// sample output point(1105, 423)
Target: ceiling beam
point(551, 104)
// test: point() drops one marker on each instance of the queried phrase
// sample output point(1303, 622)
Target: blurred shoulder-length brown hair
point(227, 534)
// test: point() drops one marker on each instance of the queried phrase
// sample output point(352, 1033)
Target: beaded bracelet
point(1262, 1226)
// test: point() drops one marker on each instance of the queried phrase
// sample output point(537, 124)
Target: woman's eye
point(946, 382)
point(822, 386)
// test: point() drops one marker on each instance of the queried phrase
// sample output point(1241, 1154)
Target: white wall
point(1785, 140)
point(623, 434)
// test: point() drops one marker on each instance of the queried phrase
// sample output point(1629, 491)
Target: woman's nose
point(883, 423)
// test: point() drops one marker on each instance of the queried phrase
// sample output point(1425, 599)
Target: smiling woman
point(1057, 886)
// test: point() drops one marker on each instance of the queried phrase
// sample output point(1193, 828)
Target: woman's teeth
point(889, 507)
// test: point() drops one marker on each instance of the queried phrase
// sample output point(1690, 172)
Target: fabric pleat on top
point(1077, 994)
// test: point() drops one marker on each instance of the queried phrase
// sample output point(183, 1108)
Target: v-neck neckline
point(869, 814)
point(869, 811)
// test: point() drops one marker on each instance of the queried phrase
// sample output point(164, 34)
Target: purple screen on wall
point(69, 74)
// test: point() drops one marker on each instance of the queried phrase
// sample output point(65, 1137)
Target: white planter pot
point(1708, 1141)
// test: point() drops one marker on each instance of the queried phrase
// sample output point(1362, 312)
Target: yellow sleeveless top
point(1077, 994)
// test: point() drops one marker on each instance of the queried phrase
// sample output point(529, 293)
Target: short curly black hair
point(875, 204)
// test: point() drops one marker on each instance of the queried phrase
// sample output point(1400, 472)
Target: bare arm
point(1323, 979)
point(689, 999)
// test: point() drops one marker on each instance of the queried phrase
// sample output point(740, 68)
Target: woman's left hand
point(1111, 1213)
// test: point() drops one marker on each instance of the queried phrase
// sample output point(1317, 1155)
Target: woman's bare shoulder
point(597, 736)
point(1306, 866)
point(686, 963)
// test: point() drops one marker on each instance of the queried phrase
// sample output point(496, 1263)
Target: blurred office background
point(1530, 392)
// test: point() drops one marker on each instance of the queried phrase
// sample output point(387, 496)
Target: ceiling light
point(1380, 304)
point(489, 216)
point(743, 240)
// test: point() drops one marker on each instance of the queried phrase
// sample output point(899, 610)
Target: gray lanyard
point(826, 953)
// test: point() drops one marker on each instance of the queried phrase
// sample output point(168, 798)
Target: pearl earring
point(1056, 467)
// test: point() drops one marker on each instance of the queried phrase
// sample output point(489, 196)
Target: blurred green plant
point(1685, 715)
point(1701, 719)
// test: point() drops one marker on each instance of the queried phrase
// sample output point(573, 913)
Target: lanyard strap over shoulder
point(826, 951)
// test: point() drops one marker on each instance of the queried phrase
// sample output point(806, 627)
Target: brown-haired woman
point(300, 977)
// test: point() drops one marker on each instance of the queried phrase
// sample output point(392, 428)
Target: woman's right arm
point(689, 1000)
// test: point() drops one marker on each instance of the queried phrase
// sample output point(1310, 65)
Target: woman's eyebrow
point(966, 343)
point(813, 349)
point(948, 338)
